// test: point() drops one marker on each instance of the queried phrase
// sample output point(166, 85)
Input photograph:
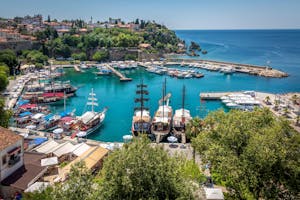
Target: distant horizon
point(175, 14)
point(241, 29)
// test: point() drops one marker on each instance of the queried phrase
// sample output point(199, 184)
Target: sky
point(175, 14)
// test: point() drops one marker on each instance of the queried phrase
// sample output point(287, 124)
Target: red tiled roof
point(8, 138)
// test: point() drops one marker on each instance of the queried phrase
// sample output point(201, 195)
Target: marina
point(90, 73)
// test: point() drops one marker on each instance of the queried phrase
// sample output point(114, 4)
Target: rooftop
point(8, 138)
point(23, 176)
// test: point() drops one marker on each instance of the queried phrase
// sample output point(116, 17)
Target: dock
point(265, 71)
point(215, 95)
point(77, 68)
point(122, 77)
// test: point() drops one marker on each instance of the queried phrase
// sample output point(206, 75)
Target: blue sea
point(279, 48)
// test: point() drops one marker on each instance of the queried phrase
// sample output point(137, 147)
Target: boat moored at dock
point(141, 120)
point(91, 120)
point(162, 120)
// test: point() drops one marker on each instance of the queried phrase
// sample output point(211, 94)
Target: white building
point(11, 152)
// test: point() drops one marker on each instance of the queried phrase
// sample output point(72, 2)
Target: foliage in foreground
point(253, 154)
point(80, 185)
point(138, 171)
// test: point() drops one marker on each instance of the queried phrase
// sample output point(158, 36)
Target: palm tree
point(276, 102)
point(285, 111)
point(194, 127)
point(267, 99)
point(297, 120)
point(294, 99)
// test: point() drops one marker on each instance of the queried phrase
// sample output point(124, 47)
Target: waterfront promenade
point(285, 108)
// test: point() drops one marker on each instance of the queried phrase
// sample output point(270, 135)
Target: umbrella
point(30, 127)
point(127, 137)
point(172, 139)
point(58, 131)
point(81, 134)
point(110, 146)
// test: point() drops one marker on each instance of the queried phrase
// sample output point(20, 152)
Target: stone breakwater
point(264, 71)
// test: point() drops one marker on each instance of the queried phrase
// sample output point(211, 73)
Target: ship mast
point(92, 100)
point(142, 92)
point(163, 96)
point(183, 99)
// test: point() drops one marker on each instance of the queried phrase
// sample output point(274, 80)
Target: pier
point(77, 68)
point(265, 71)
point(215, 95)
point(122, 77)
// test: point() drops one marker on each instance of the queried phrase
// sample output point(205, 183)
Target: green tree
point(194, 128)
point(253, 154)
point(35, 57)
point(3, 80)
point(79, 56)
point(294, 99)
point(141, 171)
point(9, 58)
point(130, 57)
point(267, 99)
point(4, 69)
point(79, 186)
point(4, 114)
point(100, 56)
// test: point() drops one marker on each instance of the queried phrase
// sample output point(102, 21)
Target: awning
point(49, 161)
point(28, 106)
point(24, 114)
point(37, 186)
point(13, 151)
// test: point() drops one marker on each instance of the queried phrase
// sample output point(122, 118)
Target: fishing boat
point(83, 66)
point(162, 120)
point(180, 120)
point(91, 120)
point(103, 71)
point(141, 120)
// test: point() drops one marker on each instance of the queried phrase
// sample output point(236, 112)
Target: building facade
point(11, 152)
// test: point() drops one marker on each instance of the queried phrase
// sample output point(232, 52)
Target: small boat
point(227, 70)
point(83, 66)
point(141, 120)
point(103, 71)
point(162, 120)
point(91, 120)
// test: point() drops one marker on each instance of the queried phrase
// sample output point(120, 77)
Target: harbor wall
point(215, 62)
point(120, 53)
point(19, 45)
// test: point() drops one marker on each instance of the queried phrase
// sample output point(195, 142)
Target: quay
point(215, 95)
point(122, 77)
point(265, 71)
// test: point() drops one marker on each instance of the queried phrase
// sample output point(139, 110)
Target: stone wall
point(144, 56)
point(19, 45)
point(120, 53)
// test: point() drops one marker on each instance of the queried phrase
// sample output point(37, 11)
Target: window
point(4, 160)
point(13, 159)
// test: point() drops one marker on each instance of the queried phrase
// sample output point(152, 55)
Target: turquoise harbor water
point(281, 48)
